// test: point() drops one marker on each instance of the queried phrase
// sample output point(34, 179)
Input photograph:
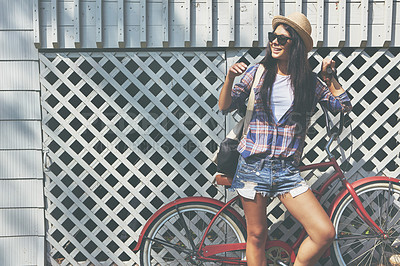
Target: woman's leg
point(309, 212)
point(257, 229)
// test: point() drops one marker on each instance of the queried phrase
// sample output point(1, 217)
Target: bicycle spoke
point(188, 235)
point(357, 243)
point(362, 255)
point(356, 237)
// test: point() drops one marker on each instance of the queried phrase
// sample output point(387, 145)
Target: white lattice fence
point(127, 132)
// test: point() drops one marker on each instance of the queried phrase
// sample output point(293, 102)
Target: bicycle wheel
point(167, 242)
point(356, 242)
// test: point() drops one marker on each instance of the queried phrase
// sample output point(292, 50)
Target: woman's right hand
point(225, 98)
point(236, 70)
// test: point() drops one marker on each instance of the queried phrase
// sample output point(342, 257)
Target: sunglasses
point(282, 39)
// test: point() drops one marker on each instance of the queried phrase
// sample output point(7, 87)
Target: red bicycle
point(205, 231)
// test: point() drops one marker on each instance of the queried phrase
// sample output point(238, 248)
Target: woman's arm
point(333, 93)
point(333, 85)
point(225, 98)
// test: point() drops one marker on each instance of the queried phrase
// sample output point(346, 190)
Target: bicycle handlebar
point(329, 129)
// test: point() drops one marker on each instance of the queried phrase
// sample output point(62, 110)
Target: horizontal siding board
point(19, 105)
point(21, 164)
point(20, 135)
point(22, 193)
point(16, 15)
point(30, 250)
point(19, 75)
point(21, 222)
point(17, 45)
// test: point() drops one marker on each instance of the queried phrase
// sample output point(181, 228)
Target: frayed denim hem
point(248, 191)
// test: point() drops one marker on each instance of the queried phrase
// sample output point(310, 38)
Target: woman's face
point(281, 52)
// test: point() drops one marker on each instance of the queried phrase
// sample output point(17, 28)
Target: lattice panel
point(369, 144)
point(125, 133)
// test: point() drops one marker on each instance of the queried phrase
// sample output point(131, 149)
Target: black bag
point(227, 157)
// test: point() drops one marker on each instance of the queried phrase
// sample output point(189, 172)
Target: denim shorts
point(270, 177)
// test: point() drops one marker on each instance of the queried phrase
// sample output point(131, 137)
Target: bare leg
point(257, 229)
point(308, 211)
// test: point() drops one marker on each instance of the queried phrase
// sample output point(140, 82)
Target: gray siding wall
point(21, 175)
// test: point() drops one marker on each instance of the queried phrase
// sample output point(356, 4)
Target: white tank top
point(282, 96)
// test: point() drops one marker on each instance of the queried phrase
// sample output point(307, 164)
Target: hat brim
point(303, 34)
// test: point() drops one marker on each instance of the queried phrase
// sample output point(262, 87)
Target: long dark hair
point(302, 78)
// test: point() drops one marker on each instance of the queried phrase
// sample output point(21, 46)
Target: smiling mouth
point(276, 49)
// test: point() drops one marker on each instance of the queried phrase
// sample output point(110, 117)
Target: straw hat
point(299, 23)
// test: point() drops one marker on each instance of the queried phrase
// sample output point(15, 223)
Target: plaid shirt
point(282, 139)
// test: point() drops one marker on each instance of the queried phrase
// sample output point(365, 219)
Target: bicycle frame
point(206, 252)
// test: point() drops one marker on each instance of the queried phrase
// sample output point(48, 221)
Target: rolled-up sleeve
point(240, 91)
point(334, 103)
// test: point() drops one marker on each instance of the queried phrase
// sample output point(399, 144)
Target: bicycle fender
point(356, 184)
point(154, 217)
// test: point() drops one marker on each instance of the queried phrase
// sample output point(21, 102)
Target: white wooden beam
point(77, 39)
point(36, 26)
point(277, 7)
point(143, 24)
point(299, 6)
point(255, 23)
point(187, 24)
point(54, 23)
point(99, 26)
point(388, 22)
point(320, 22)
point(342, 22)
point(165, 18)
point(364, 23)
point(231, 23)
point(209, 37)
point(121, 24)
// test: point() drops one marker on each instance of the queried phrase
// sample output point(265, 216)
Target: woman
point(285, 97)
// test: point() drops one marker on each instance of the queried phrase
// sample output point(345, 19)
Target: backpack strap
point(250, 103)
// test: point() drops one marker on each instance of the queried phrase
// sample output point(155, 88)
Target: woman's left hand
point(324, 74)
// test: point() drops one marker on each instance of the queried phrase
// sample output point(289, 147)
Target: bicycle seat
point(223, 180)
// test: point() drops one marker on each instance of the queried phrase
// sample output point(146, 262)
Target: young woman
point(285, 97)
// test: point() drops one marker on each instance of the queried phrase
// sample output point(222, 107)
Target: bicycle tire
point(197, 215)
point(356, 243)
